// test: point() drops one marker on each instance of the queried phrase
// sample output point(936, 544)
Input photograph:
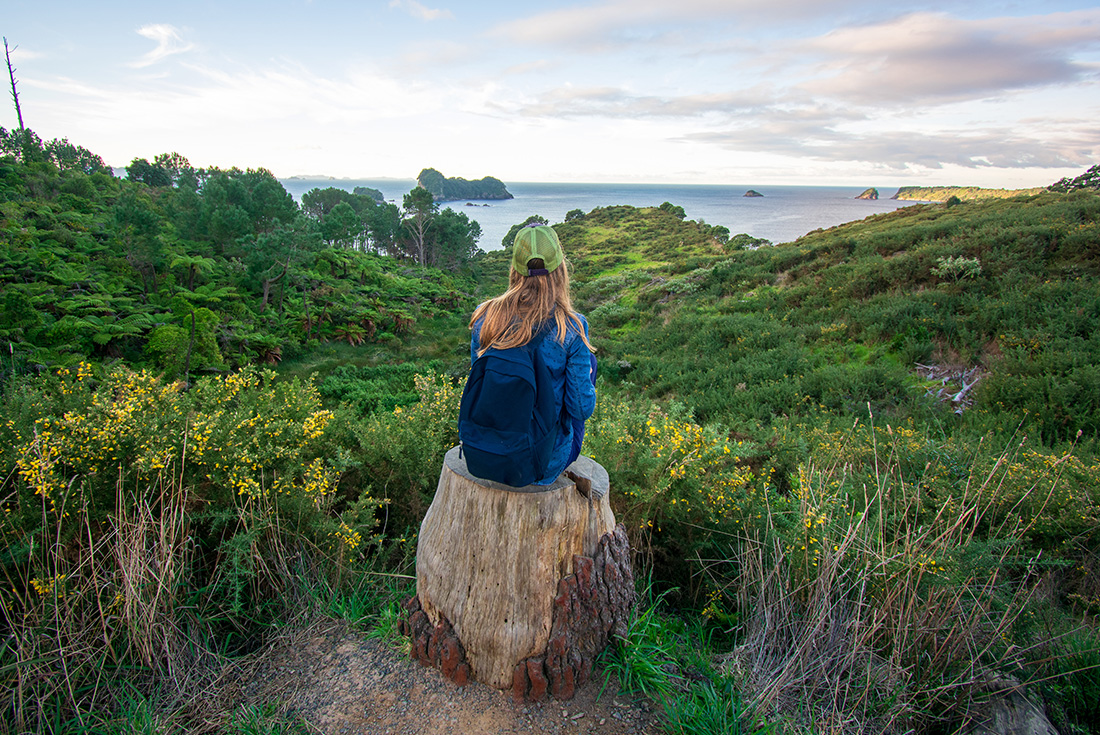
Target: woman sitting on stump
point(536, 309)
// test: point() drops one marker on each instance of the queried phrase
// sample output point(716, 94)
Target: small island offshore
point(449, 190)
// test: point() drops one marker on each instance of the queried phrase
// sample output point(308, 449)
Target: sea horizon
point(782, 214)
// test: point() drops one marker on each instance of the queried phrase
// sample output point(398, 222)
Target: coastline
point(782, 214)
point(927, 194)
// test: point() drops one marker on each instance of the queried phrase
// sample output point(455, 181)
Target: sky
point(992, 93)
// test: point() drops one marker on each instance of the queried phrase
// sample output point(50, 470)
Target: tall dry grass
point(885, 619)
point(111, 612)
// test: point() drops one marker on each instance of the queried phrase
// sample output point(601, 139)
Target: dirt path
point(338, 682)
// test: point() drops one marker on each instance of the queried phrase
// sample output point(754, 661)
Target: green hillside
point(842, 317)
point(859, 471)
point(963, 193)
point(922, 385)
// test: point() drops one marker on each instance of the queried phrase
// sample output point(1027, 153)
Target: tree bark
point(501, 569)
point(14, 91)
point(269, 282)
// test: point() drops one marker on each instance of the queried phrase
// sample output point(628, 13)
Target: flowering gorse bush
point(127, 427)
point(134, 511)
point(247, 450)
point(260, 436)
point(1048, 497)
point(232, 439)
point(673, 481)
point(666, 465)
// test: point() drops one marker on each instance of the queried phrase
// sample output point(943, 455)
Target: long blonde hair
point(510, 319)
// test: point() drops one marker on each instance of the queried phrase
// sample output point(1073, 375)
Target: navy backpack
point(509, 418)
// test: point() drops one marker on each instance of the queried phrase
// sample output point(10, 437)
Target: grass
point(635, 262)
point(670, 659)
point(642, 661)
point(878, 623)
point(263, 720)
point(706, 709)
point(373, 602)
point(116, 638)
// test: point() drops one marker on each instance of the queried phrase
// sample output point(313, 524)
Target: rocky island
point(449, 190)
point(871, 193)
point(753, 193)
point(366, 191)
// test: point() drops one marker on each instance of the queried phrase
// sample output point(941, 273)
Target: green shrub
point(957, 268)
point(878, 594)
point(372, 388)
point(672, 477)
point(402, 450)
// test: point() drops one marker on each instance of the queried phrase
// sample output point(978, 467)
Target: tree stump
point(519, 587)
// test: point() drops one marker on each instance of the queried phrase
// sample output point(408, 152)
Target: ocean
point(782, 214)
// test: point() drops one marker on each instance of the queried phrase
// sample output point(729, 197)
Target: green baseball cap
point(537, 241)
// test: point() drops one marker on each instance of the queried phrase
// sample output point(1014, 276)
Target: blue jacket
point(571, 368)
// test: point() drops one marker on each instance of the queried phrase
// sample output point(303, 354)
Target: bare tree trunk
point(268, 282)
point(11, 76)
point(418, 227)
point(519, 588)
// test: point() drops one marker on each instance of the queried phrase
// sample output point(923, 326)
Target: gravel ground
point(337, 681)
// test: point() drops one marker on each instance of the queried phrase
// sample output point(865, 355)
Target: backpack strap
point(536, 340)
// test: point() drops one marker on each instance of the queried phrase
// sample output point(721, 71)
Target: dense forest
point(860, 471)
point(193, 270)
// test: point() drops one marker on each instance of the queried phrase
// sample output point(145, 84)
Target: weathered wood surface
point(490, 559)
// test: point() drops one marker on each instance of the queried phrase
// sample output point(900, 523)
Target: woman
point(538, 299)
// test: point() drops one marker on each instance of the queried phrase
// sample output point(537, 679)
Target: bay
point(782, 214)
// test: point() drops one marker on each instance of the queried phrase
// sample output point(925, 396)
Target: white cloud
point(247, 117)
point(528, 67)
point(1055, 144)
point(618, 102)
point(168, 40)
point(67, 86)
point(619, 20)
point(416, 10)
point(252, 96)
point(931, 57)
